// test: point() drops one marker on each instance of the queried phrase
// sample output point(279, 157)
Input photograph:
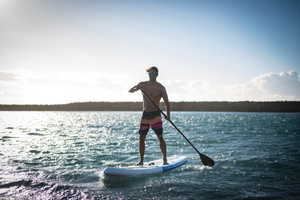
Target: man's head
point(152, 72)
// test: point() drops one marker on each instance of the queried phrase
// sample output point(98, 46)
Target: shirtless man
point(151, 116)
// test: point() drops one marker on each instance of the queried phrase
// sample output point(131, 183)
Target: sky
point(63, 51)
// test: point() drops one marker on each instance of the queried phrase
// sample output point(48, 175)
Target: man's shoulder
point(160, 85)
point(143, 82)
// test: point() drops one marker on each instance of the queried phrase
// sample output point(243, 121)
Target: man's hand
point(168, 117)
point(134, 89)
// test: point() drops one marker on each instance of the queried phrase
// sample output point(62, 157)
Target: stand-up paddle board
point(152, 167)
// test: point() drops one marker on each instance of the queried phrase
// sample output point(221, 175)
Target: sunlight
point(48, 88)
point(5, 3)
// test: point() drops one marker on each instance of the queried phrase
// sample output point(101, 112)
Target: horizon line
point(221, 101)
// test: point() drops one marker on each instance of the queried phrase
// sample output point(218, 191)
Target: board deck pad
point(152, 167)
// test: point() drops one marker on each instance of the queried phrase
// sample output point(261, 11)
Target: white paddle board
point(152, 167)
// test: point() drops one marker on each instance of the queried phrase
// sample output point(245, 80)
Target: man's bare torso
point(155, 91)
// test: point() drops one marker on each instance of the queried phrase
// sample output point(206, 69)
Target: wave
point(30, 189)
point(9, 127)
point(37, 134)
point(6, 138)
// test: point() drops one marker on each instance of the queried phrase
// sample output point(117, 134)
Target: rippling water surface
point(61, 155)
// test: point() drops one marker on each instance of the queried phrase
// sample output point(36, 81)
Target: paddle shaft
point(172, 123)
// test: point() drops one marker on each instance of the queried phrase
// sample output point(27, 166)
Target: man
point(151, 115)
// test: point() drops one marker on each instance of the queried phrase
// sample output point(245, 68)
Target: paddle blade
point(206, 160)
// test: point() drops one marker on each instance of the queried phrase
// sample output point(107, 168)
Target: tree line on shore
point(218, 106)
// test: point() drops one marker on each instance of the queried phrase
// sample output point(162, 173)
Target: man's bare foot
point(141, 163)
point(166, 162)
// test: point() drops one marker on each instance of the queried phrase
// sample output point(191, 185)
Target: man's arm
point(136, 88)
point(167, 104)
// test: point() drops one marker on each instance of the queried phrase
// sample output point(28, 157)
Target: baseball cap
point(152, 68)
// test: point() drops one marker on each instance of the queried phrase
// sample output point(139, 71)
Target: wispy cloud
point(70, 87)
point(61, 87)
point(284, 85)
point(265, 87)
point(5, 76)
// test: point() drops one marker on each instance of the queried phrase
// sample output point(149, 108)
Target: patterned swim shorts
point(152, 119)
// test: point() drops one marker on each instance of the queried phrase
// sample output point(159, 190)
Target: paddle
point(205, 159)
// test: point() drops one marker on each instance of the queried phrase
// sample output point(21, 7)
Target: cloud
point(4, 76)
point(35, 88)
point(282, 85)
point(266, 87)
point(193, 90)
point(58, 87)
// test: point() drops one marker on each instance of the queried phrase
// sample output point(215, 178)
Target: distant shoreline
point(218, 106)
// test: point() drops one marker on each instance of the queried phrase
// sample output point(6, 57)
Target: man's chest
point(153, 90)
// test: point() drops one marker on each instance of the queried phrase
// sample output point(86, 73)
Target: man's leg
point(163, 148)
point(142, 149)
point(144, 128)
point(158, 129)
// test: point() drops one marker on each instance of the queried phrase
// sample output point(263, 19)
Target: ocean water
point(61, 155)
